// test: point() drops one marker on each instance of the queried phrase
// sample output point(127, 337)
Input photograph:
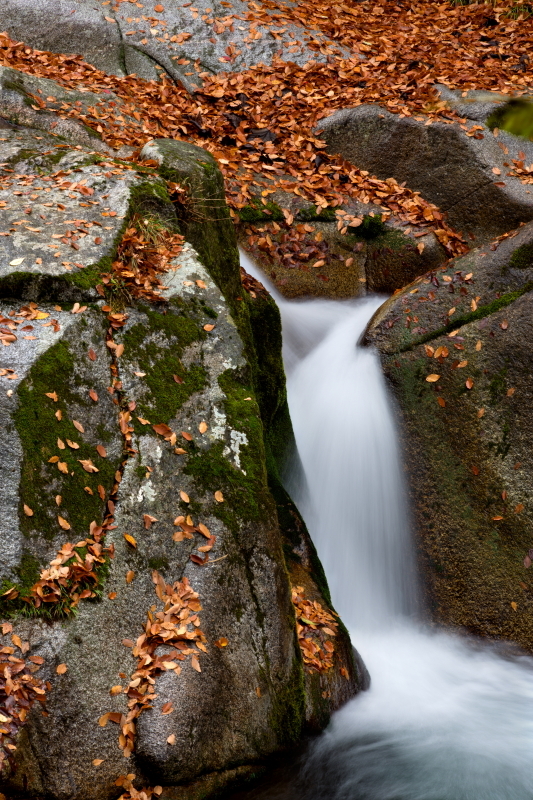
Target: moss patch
point(256, 211)
point(312, 214)
point(522, 257)
point(160, 357)
point(515, 117)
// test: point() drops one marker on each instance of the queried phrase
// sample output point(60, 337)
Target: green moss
point(39, 430)
point(245, 490)
point(256, 211)
point(160, 357)
point(464, 319)
point(522, 258)
point(158, 563)
point(287, 715)
point(312, 214)
point(371, 227)
point(515, 117)
point(498, 386)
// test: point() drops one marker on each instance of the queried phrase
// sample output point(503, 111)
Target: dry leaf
point(130, 576)
point(432, 378)
point(219, 497)
point(222, 642)
point(208, 327)
point(61, 669)
point(202, 427)
point(130, 539)
point(185, 497)
point(171, 739)
point(97, 762)
point(64, 524)
point(101, 450)
point(28, 511)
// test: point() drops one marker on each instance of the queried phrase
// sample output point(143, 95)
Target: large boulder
point(455, 347)
point(172, 37)
point(462, 167)
point(146, 538)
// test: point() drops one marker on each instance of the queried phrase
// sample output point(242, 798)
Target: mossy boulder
point(461, 382)
point(197, 381)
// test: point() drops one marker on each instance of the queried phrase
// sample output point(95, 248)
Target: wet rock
point(450, 168)
point(377, 257)
point(466, 431)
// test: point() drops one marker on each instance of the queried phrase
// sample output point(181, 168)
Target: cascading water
point(446, 717)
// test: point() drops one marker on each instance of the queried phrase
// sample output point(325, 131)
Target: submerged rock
point(161, 416)
point(455, 347)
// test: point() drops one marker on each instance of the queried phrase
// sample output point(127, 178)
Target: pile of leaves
point(19, 689)
point(177, 629)
point(144, 254)
point(131, 793)
point(314, 625)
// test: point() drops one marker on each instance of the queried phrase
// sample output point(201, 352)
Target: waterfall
point(446, 717)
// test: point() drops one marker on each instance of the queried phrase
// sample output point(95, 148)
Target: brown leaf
point(88, 465)
point(93, 395)
point(28, 511)
point(208, 327)
point(202, 427)
point(92, 354)
point(222, 642)
point(148, 520)
point(177, 379)
point(61, 669)
point(130, 539)
point(171, 739)
point(130, 576)
point(195, 664)
point(219, 497)
point(53, 396)
point(64, 524)
point(184, 496)
point(79, 427)
point(433, 378)
point(100, 449)
point(469, 383)
point(115, 690)
point(186, 436)
point(97, 762)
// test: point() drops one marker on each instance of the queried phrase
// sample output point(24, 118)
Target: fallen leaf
point(115, 690)
point(504, 325)
point(219, 497)
point(222, 642)
point(184, 496)
point(97, 762)
point(167, 708)
point(479, 344)
point(79, 427)
point(92, 354)
point(208, 327)
point(481, 413)
point(53, 396)
point(130, 576)
point(186, 436)
point(432, 378)
point(28, 511)
point(148, 520)
point(469, 383)
point(101, 450)
point(202, 427)
point(64, 524)
point(103, 720)
point(16, 262)
point(171, 739)
point(88, 465)
point(61, 669)
point(514, 606)
point(177, 379)
point(195, 664)
point(93, 395)
point(441, 401)
point(130, 539)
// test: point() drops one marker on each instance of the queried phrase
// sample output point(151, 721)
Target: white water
point(446, 718)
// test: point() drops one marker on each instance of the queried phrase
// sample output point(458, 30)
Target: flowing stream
point(446, 717)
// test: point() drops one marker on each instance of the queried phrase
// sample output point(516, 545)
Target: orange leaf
point(219, 497)
point(28, 511)
point(130, 540)
point(64, 524)
point(432, 378)
point(61, 669)
point(130, 576)
point(185, 497)
point(101, 450)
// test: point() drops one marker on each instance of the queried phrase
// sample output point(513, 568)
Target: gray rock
point(18, 105)
point(467, 435)
point(449, 168)
point(116, 41)
point(253, 692)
